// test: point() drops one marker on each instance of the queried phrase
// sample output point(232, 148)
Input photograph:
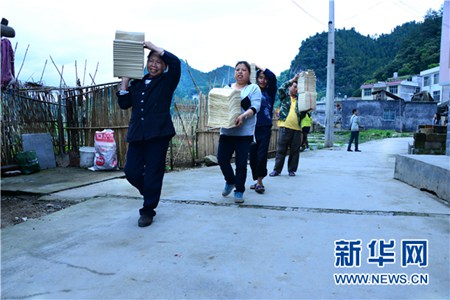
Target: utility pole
point(329, 113)
point(444, 65)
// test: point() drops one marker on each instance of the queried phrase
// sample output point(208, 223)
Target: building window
point(436, 78)
point(393, 89)
point(426, 81)
point(388, 115)
point(367, 92)
point(437, 96)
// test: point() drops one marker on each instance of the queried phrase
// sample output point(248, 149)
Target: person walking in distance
point(290, 131)
point(151, 127)
point(354, 131)
point(267, 82)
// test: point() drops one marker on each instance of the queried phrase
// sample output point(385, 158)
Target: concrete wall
point(425, 172)
point(406, 116)
point(418, 113)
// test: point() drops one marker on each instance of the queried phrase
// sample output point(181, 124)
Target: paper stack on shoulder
point(224, 106)
point(128, 55)
point(307, 95)
point(253, 73)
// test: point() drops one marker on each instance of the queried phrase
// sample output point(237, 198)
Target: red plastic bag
point(105, 151)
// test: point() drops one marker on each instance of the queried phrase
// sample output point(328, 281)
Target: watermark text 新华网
point(349, 255)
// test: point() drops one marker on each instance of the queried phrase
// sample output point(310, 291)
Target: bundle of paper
point(307, 96)
point(307, 101)
point(307, 82)
point(253, 73)
point(224, 106)
point(128, 55)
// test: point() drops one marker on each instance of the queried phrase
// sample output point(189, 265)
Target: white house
point(430, 83)
point(406, 86)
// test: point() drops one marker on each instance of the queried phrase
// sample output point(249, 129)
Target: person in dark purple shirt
point(267, 82)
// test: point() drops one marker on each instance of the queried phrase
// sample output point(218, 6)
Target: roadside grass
point(316, 139)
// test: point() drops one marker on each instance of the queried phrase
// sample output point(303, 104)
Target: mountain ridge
point(410, 48)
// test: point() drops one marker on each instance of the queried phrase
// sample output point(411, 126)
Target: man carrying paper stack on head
point(297, 96)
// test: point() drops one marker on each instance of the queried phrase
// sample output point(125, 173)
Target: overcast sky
point(206, 33)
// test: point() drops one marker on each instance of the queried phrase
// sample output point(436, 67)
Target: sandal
point(259, 189)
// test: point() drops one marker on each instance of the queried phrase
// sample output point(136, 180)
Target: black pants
point(354, 135)
point(292, 140)
point(240, 145)
point(144, 169)
point(305, 131)
point(259, 150)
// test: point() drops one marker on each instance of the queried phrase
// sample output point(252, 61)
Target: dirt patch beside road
point(18, 208)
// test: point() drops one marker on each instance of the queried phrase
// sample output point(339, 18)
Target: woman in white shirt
point(238, 139)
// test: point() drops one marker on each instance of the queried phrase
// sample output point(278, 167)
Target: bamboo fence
point(72, 115)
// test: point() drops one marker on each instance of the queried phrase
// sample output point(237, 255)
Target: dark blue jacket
point(265, 114)
point(150, 103)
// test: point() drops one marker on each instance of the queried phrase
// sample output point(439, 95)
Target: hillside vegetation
point(407, 50)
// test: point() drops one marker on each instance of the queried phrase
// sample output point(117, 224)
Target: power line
point(408, 8)
point(369, 8)
point(306, 12)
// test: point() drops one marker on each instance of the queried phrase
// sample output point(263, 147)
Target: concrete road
point(343, 214)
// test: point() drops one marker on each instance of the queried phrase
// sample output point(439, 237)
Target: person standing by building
point(239, 138)
point(437, 119)
point(267, 82)
point(306, 127)
point(354, 131)
point(151, 127)
point(290, 131)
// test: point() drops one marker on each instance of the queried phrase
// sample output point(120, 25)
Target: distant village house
point(399, 103)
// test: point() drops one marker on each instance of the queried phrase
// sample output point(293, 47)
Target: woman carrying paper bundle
point(267, 82)
point(239, 138)
point(151, 126)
